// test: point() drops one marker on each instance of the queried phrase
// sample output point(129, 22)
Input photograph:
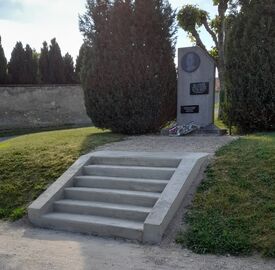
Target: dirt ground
point(24, 247)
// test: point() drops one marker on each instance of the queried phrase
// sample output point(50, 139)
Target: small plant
point(18, 213)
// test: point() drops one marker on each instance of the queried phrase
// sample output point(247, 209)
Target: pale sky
point(35, 21)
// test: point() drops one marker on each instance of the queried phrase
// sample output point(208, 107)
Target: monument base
point(211, 130)
point(203, 131)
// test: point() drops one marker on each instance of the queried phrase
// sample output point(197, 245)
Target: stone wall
point(31, 107)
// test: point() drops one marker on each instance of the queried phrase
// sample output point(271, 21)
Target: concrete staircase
point(119, 194)
point(111, 196)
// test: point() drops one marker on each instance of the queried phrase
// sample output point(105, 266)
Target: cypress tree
point(44, 64)
point(155, 29)
point(35, 59)
point(250, 65)
point(31, 66)
point(23, 65)
point(129, 75)
point(56, 64)
point(16, 66)
point(69, 68)
point(79, 62)
point(3, 65)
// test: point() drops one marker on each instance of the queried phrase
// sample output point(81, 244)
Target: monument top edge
point(196, 48)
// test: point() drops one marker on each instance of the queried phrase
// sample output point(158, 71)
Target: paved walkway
point(5, 138)
point(23, 247)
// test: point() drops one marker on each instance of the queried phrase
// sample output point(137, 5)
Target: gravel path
point(24, 247)
point(207, 144)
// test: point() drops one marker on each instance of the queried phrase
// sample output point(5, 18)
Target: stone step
point(146, 199)
point(120, 183)
point(129, 171)
point(136, 161)
point(94, 225)
point(121, 211)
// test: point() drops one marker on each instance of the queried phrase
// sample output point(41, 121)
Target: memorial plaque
point(190, 109)
point(201, 88)
point(190, 62)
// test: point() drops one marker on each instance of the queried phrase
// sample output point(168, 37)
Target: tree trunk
point(221, 62)
point(221, 70)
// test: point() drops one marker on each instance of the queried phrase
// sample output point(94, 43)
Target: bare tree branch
point(199, 42)
point(211, 32)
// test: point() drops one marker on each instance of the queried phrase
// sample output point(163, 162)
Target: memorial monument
point(196, 87)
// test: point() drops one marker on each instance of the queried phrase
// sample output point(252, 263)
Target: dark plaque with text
point(201, 88)
point(190, 109)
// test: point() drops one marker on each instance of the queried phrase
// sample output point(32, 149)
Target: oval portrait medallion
point(190, 62)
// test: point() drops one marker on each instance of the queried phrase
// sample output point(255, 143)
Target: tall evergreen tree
point(16, 66)
point(35, 58)
point(3, 65)
point(129, 75)
point(250, 67)
point(79, 62)
point(44, 72)
point(56, 65)
point(23, 65)
point(31, 66)
point(69, 69)
point(155, 31)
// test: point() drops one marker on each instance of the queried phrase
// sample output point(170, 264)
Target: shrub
point(128, 73)
point(250, 64)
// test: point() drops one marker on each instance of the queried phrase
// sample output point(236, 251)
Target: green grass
point(218, 122)
point(17, 132)
point(30, 163)
point(234, 209)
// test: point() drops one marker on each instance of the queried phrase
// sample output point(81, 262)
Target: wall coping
point(36, 85)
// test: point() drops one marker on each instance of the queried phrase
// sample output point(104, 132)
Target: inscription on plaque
point(201, 88)
point(190, 109)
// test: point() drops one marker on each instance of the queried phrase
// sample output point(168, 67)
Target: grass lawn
point(234, 209)
point(218, 122)
point(30, 163)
